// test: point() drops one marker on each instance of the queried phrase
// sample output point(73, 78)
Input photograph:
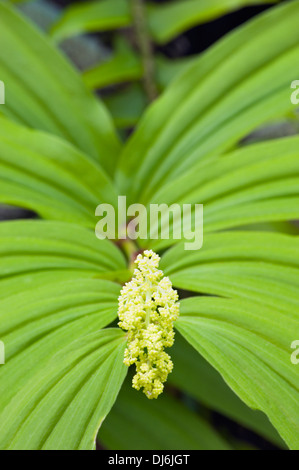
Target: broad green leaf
point(125, 65)
point(253, 185)
point(49, 176)
point(92, 16)
point(35, 253)
point(288, 228)
point(262, 267)
point(238, 172)
point(27, 312)
point(238, 281)
point(259, 276)
point(274, 209)
point(195, 376)
point(236, 246)
point(62, 372)
point(43, 91)
point(240, 83)
point(249, 344)
point(169, 20)
point(135, 423)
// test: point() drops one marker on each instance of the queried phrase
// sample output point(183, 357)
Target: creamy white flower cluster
point(148, 306)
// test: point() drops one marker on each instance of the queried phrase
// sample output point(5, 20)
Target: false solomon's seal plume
point(148, 306)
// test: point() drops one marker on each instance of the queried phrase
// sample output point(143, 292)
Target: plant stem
point(146, 48)
point(130, 249)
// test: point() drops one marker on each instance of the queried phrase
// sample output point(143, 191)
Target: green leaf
point(253, 185)
point(52, 97)
point(200, 380)
point(262, 267)
point(247, 335)
point(168, 69)
point(92, 16)
point(135, 423)
point(125, 65)
point(62, 372)
point(35, 253)
point(169, 20)
point(127, 105)
point(202, 114)
point(49, 176)
point(249, 344)
point(239, 175)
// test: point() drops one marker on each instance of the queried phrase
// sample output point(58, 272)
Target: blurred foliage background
point(129, 51)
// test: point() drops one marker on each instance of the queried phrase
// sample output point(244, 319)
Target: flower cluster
point(148, 306)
